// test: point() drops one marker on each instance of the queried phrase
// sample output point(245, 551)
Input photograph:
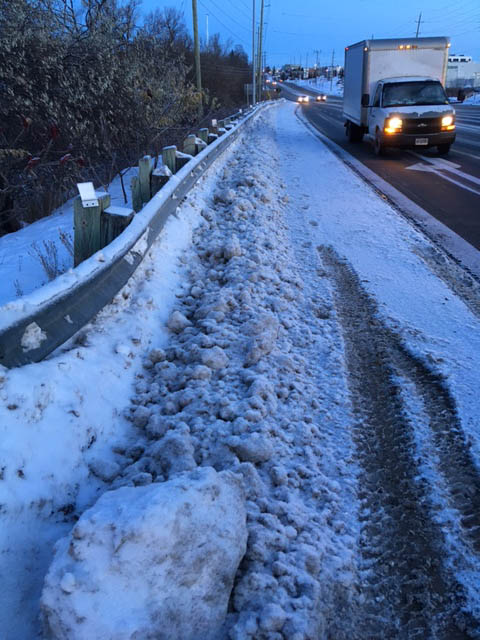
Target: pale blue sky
point(295, 30)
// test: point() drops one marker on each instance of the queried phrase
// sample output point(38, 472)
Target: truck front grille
point(419, 126)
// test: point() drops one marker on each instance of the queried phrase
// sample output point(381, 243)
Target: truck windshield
point(413, 93)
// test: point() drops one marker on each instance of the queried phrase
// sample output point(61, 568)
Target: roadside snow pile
point(164, 554)
point(322, 85)
point(243, 385)
point(473, 99)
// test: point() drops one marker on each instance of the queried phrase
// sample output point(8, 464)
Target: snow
point(165, 552)
point(473, 99)
point(227, 351)
point(322, 85)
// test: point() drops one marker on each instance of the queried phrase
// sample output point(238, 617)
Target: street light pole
point(254, 70)
point(196, 45)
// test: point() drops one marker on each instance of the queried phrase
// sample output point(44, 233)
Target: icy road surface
point(289, 326)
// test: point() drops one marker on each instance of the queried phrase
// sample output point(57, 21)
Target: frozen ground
point(293, 329)
point(322, 85)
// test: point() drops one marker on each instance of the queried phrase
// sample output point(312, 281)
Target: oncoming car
point(304, 99)
point(321, 97)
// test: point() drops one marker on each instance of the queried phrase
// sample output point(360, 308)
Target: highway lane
point(448, 187)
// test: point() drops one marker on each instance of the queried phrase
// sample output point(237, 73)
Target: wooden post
point(200, 145)
point(113, 220)
point(86, 223)
point(144, 173)
point(160, 176)
point(212, 137)
point(189, 144)
point(136, 194)
point(169, 157)
point(203, 135)
point(181, 160)
point(104, 200)
point(221, 124)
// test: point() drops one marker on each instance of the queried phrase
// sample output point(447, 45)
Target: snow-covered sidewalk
point(290, 328)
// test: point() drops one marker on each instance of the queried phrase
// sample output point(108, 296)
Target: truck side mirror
point(365, 99)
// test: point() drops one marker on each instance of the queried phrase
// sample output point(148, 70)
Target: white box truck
point(394, 94)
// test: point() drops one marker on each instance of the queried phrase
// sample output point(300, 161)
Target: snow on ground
point(273, 332)
point(473, 99)
point(322, 85)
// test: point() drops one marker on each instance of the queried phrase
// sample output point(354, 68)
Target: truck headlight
point(448, 123)
point(394, 125)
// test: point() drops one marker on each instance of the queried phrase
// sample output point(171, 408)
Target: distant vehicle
point(321, 97)
point(394, 94)
point(303, 99)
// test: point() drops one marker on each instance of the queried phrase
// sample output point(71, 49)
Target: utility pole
point(260, 47)
point(254, 69)
point(196, 45)
point(331, 73)
point(418, 24)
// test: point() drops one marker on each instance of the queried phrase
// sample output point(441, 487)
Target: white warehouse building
point(462, 72)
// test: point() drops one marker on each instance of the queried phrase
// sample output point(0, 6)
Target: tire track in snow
point(408, 591)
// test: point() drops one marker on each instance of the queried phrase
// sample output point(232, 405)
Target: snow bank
point(145, 559)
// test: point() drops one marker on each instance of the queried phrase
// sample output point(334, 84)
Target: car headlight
point(394, 125)
point(448, 123)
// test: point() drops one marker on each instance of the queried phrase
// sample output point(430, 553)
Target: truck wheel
point(353, 132)
point(378, 147)
point(443, 149)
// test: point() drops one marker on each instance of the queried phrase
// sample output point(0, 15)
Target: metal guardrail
point(55, 318)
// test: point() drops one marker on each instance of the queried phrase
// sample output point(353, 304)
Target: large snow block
point(148, 562)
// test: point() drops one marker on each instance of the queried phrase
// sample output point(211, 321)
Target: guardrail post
point(113, 220)
point(160, 176)
point(212, 137)
point(181, 160)
point(136, 194)
point(203, 134)
point(169, 155)
point(189, 144)
point(144, 173)
point(86, 223)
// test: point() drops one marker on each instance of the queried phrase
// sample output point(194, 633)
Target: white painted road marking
point(439, 165)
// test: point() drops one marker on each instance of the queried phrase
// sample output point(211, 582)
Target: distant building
point(462, 72)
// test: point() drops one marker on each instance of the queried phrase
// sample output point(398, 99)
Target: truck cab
point(394, 94)
point(410, 112)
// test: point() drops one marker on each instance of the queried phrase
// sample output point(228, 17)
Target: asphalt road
point(448, 187)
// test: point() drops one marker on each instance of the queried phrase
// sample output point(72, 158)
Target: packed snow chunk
point(178, 322)
point(175, 451)
point(215, 358)
point(32, 337)
point(106, 470)
point(251, 448)
point(149, 562)
point(265, 332)
point(232, 248)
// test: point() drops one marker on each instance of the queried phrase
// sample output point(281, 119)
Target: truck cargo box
point(369, 61)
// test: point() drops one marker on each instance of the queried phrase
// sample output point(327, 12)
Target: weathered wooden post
point(212, 137)
point(181, 160)
point(136, 194)
point(160, 176)
point(203, 134)
point(87, 208)
point(214, 126)
point(86, 223)
point(113, 220)
point(144, 173)
point(169, 155)
point(189, 144)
